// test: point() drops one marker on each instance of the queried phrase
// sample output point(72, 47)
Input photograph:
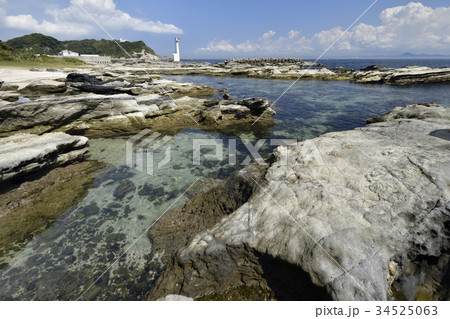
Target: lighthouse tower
point(176, 54)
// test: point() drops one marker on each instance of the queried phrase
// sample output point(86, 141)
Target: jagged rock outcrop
point(39, 88)
point(132, 83)
point(32, 204)
point(402, 76)
point(95, 115)
point(111, 103)
point(176, 228)
point(218, 112)
point(23, 154)
point(355, 215)
point(84, 78)
point(294, 69)
point(285, 70)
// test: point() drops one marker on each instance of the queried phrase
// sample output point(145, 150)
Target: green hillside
point(25, 59)
point(6, 52)
point(37, 43)
point(107, 47)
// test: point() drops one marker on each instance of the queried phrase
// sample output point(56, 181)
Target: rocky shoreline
point(106, 104)
point(293, 69)
point(383, 194)
point(371, 223)
point(46, 118)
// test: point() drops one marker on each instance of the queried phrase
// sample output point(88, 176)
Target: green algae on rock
point(384, 201)
point(241, 293)
point(31, 206)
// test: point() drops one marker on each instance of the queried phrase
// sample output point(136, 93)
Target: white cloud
point(268, 35)
point(413, 26)
point(293, 34)
point(73, 22)
point(223, 45)
point(409, 27)
point(266, 44)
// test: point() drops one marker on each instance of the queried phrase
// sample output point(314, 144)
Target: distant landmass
point(37, 43)
point(411, 55)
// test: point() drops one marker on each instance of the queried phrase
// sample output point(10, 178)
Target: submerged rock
point(373, 68)
point(364, 218)
point(177, 227)
point(32, 206)
point(23, 154)
point(123, 189)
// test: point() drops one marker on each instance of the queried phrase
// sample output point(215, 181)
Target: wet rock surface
point(97, 115)
point(70, 232)
point(366, 220)
point(94, 104)
point(177, 227)
point(76, 237)
point(30, 207)
point(65, 258)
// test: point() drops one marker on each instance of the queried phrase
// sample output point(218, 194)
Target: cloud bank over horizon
point(72, 22)
point(413, 26)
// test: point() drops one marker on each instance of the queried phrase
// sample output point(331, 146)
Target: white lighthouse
point(176, 54)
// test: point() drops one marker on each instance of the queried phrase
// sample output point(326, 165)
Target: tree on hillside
point(37, 43)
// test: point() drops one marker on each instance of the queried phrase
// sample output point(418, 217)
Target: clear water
point(311, 108)
point(82, 246)
point(357, 64)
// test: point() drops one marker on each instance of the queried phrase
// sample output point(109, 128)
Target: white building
point(176, 54)
point(94, 59)
point(68, 53)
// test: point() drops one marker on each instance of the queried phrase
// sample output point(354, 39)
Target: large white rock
point(353, 210)
point(23, 154)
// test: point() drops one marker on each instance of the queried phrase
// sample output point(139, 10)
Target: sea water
point(78, 256)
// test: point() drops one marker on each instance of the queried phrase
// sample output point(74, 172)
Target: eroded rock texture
point(366, 217)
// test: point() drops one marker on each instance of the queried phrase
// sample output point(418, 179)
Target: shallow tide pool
point(78, 255)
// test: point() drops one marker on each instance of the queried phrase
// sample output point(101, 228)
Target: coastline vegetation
point(37, 43)
point(10, 58)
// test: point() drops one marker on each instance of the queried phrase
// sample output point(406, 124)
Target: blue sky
point(224, 29)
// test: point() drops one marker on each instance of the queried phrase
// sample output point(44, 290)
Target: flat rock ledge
point(290, 69)
point(100, 115)
point(364, 217)
point(402, 76)
point(23, 154)
point(91, 104)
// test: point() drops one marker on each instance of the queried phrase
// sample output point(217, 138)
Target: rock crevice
point(383, 216)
